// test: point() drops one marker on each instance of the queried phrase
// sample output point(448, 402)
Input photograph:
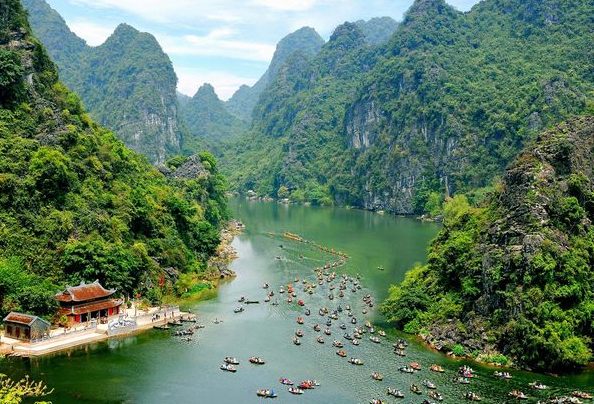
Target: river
point(155, 367)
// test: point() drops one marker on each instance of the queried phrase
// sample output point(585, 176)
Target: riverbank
point(134, 322)
point(139, 320)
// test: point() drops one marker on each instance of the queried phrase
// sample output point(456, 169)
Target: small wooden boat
point(343, 326)
point(348, 337)
point(320, 340)
point(472, 396)
point(238, 310)
point(296, 341)
point(518, 395)
point(381, 333)
point(406, 369)
point(256, 360)
point(374, 339)
point(285, 381)
point(400, 352)
point(353, 320)
point(231, 360)
point(228, 368)
point(307, 312)
point(327, 331)
point(341, 353)
point(299, 320)
point(175, 323)
point(377, 376)
point(502, 375)
point(295, 390)
point(241, 299)
point(299, 333)
point(300, 302)
point(355, 361)
point(355, 341)
point(435, 395)
point(415, 389)
point(252, 302)
point(538, 386)
point(429, 384)
point(266, 393)
point(436, 368)
point(337, 344)
point(376, 401)
point(463, 380)
point(581, 394)
point(395, 392)
point(415, 365)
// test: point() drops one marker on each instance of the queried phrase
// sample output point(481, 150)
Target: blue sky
point(223, 42)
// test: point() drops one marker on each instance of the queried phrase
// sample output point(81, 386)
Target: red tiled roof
point(88, 308)
point(20, 318)
point(83, 293)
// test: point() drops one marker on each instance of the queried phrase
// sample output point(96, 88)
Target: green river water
point(155, 367)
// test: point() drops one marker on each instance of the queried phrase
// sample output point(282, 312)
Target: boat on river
point(518, 395)
point(415, 365)
point(161, 327)
point(377, 376)
point(395, 393)
point(296, 341)
point(406, 369)
point(374, 339)
point(231, 360)
point(266, 393)
point(299, 333)
point(355, 361)
point(435, 395)
point(337, 344)
point(228, 368)
point(538, 385)
point(429, 384)
point(285, 381)
point(472, 396)
point(355, 341)
point(327, 331)
point(320, 339)
point(436, 368)
point(502, 375)
point(295, 390)
point(581, 394)
point(415, 389)
point(238, 310)
point(376, 401)
point(341, 353)
point(307, 312)
point(256, 360)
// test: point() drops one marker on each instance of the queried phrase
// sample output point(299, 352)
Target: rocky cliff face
point(515, 274)
point(128, 83)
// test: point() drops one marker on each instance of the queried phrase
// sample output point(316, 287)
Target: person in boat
point(285, 381)
point(231, 360)
point(295, 390)
point(320, 340)
point(415, 389)
point(429, 384)
point(472, 396)
point(436, 368)
point(327, 331)
point(395, 393)
point(377, 376)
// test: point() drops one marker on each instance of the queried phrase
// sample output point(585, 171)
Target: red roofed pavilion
point(88, 301)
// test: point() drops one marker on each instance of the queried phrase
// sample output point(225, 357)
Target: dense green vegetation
point(516, 273)
point(208, 121)
point(127, 83)
point(75, 203)
point(440, 109)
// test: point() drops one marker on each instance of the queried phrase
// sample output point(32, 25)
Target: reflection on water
point(155, 367)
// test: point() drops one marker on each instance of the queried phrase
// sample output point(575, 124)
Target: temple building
point(88, 301)
point(25, 327)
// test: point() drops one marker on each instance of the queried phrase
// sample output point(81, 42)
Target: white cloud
point(225, 84)
point(216, 43)
point(287, 5)
point(94, 34)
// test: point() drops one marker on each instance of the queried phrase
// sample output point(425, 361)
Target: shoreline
point(217, 271)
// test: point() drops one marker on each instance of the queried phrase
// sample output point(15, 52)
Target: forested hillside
point(209, 123)
point(75, 203)
point(516, 274)
point(127, 83)
point(440, 109)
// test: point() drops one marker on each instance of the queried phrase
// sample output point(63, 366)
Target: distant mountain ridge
point(305, 40)
point(127, 83)
point(440, 108)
